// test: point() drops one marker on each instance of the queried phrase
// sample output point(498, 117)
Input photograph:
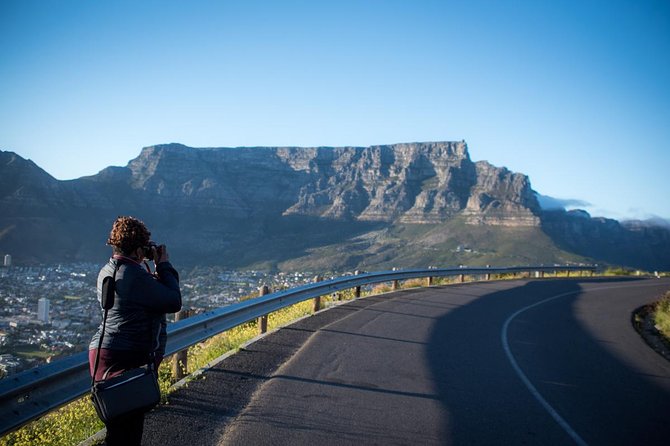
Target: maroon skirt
point(117, 361)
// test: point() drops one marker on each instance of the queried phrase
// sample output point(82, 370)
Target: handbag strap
point(102, 333)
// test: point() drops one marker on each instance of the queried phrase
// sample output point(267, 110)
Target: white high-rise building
point(43, 310)
point(8, 260)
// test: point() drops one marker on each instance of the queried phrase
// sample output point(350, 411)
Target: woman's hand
point(160, 254)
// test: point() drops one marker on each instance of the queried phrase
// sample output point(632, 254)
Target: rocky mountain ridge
point(267, 205)
point(412, 183)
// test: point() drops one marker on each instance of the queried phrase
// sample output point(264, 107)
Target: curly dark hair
point(128, 234)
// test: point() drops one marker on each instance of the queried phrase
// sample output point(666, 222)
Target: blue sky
point(575, 94)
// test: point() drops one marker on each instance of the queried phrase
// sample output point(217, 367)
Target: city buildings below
point(8, 364)
point(68, 311)
point(43, 306)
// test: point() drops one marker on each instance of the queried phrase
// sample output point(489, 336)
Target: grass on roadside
point(66, 426)
point(662, 315)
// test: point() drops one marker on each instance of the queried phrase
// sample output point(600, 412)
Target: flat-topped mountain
point(417, 183)
point(262, 206)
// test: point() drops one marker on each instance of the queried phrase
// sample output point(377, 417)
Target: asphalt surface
point(550, 362)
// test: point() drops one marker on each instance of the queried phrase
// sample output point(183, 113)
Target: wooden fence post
point(180, 359)
point(263, 320)
point(317, 299)
point(395, 285)
point(357, 290)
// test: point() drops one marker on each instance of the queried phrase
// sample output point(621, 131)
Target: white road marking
point(538, 396)
point(561, 422)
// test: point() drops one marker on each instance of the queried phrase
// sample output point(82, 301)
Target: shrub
point(381, 288)
point(662, 315)
point(618, 272)
point(414, 283)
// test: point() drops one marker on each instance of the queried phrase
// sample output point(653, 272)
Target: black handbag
point(133, 391)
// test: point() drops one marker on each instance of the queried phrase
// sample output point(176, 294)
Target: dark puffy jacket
point(137, 320)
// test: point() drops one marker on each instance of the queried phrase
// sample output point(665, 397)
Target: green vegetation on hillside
point(32, 351)
point(443, 245)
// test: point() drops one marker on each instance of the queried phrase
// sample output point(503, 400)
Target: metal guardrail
point(33, 393)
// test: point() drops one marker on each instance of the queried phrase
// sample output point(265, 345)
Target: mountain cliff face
point(413, 183)
point(410, 183)
point(246, 206)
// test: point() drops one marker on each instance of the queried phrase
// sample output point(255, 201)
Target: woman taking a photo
point(135, 332)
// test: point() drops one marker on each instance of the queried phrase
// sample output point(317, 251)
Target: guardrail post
point(180, 359)
point(395, 286)
point(263, 320)
point(461, 278)
point(568, 273)
point(429, 281)
point(488, 275)
point(357, 290)
point(317, 299)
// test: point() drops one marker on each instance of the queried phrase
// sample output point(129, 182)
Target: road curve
point(550, 362)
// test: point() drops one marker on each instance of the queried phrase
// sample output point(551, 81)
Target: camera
point(149, 252)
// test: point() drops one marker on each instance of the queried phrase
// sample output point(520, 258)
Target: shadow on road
point(604, 399)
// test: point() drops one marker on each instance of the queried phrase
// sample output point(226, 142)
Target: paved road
point(553, 362)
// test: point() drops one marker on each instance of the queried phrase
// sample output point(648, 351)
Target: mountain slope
point(414, 204)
